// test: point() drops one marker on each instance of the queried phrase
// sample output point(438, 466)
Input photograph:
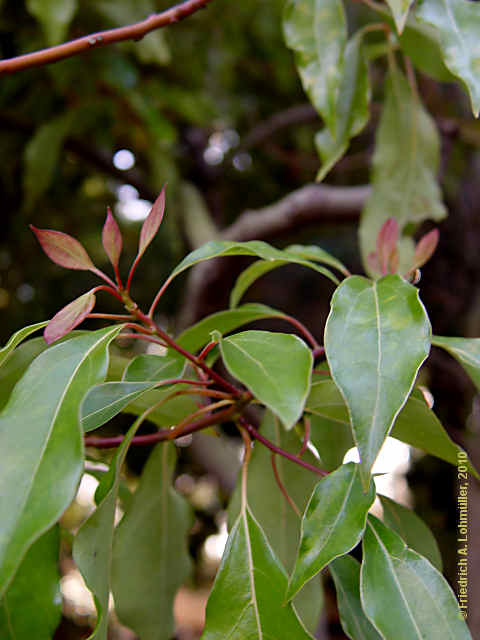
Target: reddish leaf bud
point(69, 317)
point(425, 248)
point(112, 239)
point(387, 239)
point(63, 249)
point(152, 223)
point(372, 261)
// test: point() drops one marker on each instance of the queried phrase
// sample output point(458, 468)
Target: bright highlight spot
point(215, 544)
point(129, 206)
point(123, 160)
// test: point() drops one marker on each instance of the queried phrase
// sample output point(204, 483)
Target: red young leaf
point(393, 261)
point(112, 239)
point(69, 317)
point(425, 248)
point(372, 260)
point(152, 223)
point(63, 249)
point(387, 239)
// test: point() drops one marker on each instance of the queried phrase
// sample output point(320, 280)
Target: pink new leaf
point(425, 248)
point(387, 239)
point(69, 317)
point(152, 223)
point(372, 261)
point(112, 239)
point(63, 249)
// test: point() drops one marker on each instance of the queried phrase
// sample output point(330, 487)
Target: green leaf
point(261, 267)
point(18, 337)
point(92, 547)
point(41, 157)
point(402, 593)
point(412, 529)
point(416, 423)
point(223, 248)
point(156, 527)
point(457, 24)
point(196, 336)
point(376, 338)
point(106, 400)
point(32, 605)
point(42, 442)
point(155, 368)
point(277, 519)
point(466, 351)
point(421, 44)
point(345, 572)
point(352, 99)
point(332, 524)
point(418, 426)
point(405, 163)
point(247, 597)
point(169, 413)
point(257, 359)
point(399, 9)
point(54, 16)
point(316, 30)
point(332, 439)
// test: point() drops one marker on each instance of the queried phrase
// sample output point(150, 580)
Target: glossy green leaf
point(402, 593)
point(17, 338)
point(405, 164)
point(316, 30)
point(195, 337)
point(352, 107)
point(41, 439)
point(54, 16)
point(345, 572)
point(332, 524)
point(155, 526)
point(276, 517)
point(258, 358)
point(261, 267)
point(106, 400)
point(224, 248)
point(399, 9)
point(317, 254)
point(466, 351)
point(412, 530)
point(457, 23)
point(32, 605)
point(376, 338)
point(41, 157)
point(331, 438)
point(247, 597)
point(170, 412)
point(92, 546)
point(416, 423)
point(155, 368)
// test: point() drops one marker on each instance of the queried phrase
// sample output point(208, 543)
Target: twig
point(102, 38)
point(258, 436)
point(282, 488)
point(306, 437)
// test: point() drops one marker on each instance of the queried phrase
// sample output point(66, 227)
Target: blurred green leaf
point(457, 23)
point(18, 337)
point(156, 526)
point(257, 359)
point(466, 351)
point(41, 437)
point(412, 530)
point(345, 572)
point(402, 593)
point(54, 16)
point(399, 9)
point(405, 168)
point(155, 367)
point(332, 524)
point(376, 338)
point(32, 605)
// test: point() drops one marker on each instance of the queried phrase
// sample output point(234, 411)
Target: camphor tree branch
point(102, 38)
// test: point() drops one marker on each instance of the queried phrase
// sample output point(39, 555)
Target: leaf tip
point(112, 238)
point(69, 317)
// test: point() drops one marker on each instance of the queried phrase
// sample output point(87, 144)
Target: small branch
point(102, 38)
point(282, 488)
point(304, 331)
point(318, 351)
point(177, 432)
point(161, 436)
point(306, 436)
point(110, 316)
point(113, 292)
point(258, 436)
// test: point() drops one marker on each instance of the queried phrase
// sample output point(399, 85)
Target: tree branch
point(308, 205)
point(102, 38)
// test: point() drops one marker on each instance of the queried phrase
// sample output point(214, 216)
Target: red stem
point(258, 436)
point(306, 437)
point(206, 350)
point(304, 331)
point(282, 488)
point(102, 38)
point(110, 290)
point(160, 436)
point(132, 271)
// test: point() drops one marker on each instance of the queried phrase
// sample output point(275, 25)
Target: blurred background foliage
point(206, 106)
